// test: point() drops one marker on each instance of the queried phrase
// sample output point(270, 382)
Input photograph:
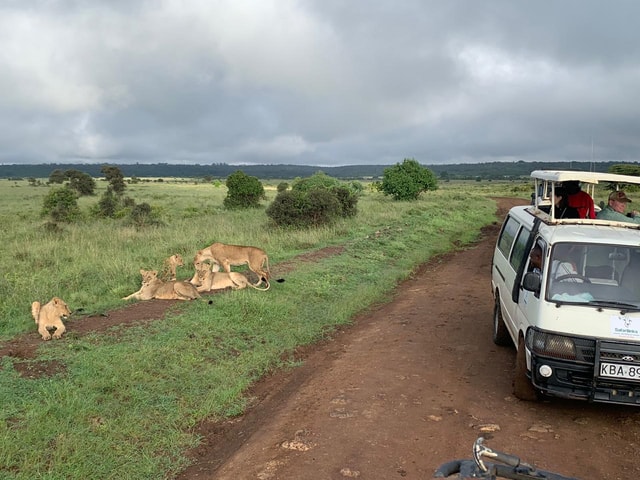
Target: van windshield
point(602, 275)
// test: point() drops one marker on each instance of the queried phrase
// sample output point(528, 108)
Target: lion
point(153, 287)
point(49, 317)
point(169, 266)
point(228, 255)
point(210, 278)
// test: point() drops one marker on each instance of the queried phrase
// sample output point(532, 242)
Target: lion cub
point(153, 287)
point(169, 267)
point(49, 317)
point(209, 278)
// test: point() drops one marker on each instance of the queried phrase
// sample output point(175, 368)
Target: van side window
point(507, 235)
point(520, 252)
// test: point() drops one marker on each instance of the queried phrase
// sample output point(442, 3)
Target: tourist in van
point(579, 199)
point(563, 261)
point(535, 259)
point(561, 208)
point(616, 209)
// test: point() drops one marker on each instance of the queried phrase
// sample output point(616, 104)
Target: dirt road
point(412, 385)
point(408, 386)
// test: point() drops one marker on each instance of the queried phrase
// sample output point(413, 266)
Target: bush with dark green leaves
point(243, 191)
point(81, 182)
point(313, 201)
point(107, 205)
point(348, 201)
point(322, 207)
point(142, 215)
point(346, 193)
point(407, 180)
point(317, 180)
point(61, 204)
point(288, 209)
point(57, 176)
point(114, 176)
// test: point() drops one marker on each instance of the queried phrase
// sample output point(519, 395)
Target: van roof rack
point(545, 183)
point(584, 177)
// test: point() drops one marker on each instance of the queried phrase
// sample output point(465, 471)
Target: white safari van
point(575, 319)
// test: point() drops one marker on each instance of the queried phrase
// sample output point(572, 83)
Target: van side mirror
point(532, 282)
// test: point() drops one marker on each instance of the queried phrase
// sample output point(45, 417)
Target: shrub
point(345, 193)
point(317, 180)
point(61, 204)
point(348, 201)
point(142, 215)
point(323, 207)
point(81, 182)
point(406, 180)
point(313, 201)
point(57, 176)
point(114, 176)
point(107, 205)
point(244, 191)
point(288, 209)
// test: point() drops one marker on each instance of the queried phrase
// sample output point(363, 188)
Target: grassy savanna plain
point(127, 400)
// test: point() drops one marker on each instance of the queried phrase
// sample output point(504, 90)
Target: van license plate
point(617, 370)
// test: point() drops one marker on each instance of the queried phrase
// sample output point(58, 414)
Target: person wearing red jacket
point(579, 199)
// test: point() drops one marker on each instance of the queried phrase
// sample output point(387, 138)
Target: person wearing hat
point(616, 208)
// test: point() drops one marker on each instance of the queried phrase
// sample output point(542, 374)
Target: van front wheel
point(522, 387)
point(500, 333)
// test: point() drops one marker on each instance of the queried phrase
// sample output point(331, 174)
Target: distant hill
point(460, 171)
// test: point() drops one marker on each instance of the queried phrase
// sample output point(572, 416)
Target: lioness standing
point(49, 316)
point(227, 255)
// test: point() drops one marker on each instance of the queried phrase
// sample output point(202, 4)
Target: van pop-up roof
point(546, 180)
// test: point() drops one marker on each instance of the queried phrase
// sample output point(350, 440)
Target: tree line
point(465, 171)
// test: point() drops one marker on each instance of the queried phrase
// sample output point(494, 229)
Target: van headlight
point(551, 345)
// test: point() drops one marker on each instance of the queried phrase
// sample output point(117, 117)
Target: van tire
point(500, 333)
point(522, 386)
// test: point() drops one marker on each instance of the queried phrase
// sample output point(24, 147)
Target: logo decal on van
point(627, 327)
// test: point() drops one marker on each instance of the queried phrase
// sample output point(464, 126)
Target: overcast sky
point(318, 82)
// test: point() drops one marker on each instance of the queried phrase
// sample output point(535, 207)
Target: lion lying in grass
point(209, 278)
point(169, 267)
point(229, 255)
point(49, 317)
point(153, 287)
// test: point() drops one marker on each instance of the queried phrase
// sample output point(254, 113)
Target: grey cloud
point(318, 82)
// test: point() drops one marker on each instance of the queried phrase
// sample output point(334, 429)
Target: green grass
point(124, 404)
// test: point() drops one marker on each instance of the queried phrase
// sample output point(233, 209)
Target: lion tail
point(257, 286)
point(35, 310)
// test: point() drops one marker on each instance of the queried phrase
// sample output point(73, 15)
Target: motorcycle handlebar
point(501, 457)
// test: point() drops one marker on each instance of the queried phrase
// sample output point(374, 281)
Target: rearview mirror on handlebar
point(501, 465)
